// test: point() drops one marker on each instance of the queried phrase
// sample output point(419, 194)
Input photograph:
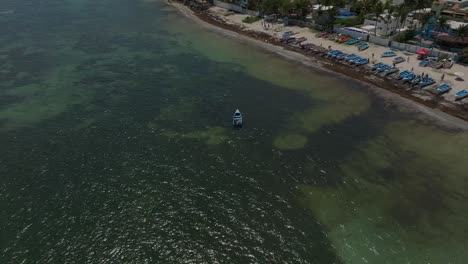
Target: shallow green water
point(117, 148)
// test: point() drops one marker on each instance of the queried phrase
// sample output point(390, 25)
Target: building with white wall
point(386, 25)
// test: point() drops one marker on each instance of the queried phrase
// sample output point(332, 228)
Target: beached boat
point(383, 68)
point(237, 119)
point(335, 54)
point(358, 61)
point(437, 65)
point(331, 36)
point(300, 40)
point(409, 77)
point(402, 74)
point(416, 80)
point(424, 62)
point(318, 50)
point(376, 66)
point(459, 76)
point(350, 57)
point(343, 39)
point(426, 82)
point(398, 60)
point(288, 40)
point(363, 46)
point(331, 52)
point(427, 61)
point(320, 34)
point(288, 33)
point(341, 56)
point(307, 45)
point(448, 64)
point(461, 95)
point(388, 54)
point(361, 61)
point(390, 71)
point(353, 41)
point(443, 88)
point(431, 63)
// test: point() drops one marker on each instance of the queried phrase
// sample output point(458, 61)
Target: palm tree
point(285, 8)
point(321, 4)
point(302, 7)
point(410, 4)
point(402, 12)
point(377, 11)
point(325, 18)
point(365, 7)
point(389, 12)
point(420, 4)
point(424, 20)
point(442, 23)
point(387, 4)
point(462, 31)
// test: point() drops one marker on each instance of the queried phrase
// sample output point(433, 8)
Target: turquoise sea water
point(116, 147)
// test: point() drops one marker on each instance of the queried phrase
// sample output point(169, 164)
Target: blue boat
point(388, 54)
point(333, 52)
point(237, 119)
point(350, 57)
point(341, 56)
point(353, 41)
point(355, 60)
point(461, 94)
point(403, 74)
point(398, 60)
point(424, 62)
point(426, 82)
point(409, 77)
point(443, 88)
point(383, 68)
point(361, 61)
point(300, 40)
point(390, 71)
point(377, 65)
point(416, 80)
point(289, 40)
point(363, 46)
point(334, 55)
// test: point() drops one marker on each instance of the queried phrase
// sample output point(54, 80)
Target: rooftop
point(452, 39)
point(455, 24)
point(452, 12)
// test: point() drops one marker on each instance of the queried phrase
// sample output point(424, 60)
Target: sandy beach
point(445, 111)
point(412, 63)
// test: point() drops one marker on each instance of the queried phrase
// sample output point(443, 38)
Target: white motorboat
point(237, 119)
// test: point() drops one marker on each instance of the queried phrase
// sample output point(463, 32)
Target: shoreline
point(452, 114)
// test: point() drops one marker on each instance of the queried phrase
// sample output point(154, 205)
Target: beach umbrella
point(422, 52)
